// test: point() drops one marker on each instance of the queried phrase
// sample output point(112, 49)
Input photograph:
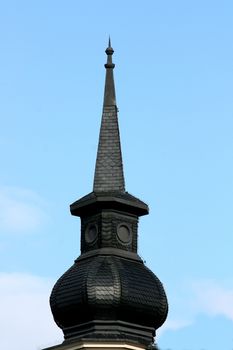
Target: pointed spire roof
point(109, 184)
point(109, 176)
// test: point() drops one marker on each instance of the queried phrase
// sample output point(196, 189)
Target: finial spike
point(109, 94)
point(109, 41)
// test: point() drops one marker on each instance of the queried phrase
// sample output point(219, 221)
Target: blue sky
point(173, 75)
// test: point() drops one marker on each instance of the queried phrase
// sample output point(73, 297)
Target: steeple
point(109, 176)
point(108, 296)
point(109, 184)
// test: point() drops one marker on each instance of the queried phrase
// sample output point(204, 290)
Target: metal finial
point(109, 51)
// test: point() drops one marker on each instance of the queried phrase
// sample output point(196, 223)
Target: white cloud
point(21, 210)
point(173, 324)
point(213, 298)
point(25, 318)
point(199, 297)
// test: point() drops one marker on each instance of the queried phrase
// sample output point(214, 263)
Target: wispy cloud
point(213, 298)
point(198, 297)
point(21, 210)
point(25, 319)
point(174, 323)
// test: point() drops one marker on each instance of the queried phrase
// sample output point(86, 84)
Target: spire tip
point(109, 51)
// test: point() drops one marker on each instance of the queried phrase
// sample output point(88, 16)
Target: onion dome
point(108, 293)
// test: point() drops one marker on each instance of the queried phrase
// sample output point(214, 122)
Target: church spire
point(108, 296)
point(109, 176)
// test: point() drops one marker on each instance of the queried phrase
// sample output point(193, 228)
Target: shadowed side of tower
point(108, 298)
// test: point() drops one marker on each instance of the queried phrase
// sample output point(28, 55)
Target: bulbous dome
point(109, 297)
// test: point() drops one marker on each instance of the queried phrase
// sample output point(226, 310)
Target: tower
point(108, 298)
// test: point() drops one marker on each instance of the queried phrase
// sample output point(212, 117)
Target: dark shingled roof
point(109, 294)
point(109, 168)
point(94, 201)
point(109, 289)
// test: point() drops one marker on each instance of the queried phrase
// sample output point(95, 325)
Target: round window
point(124, 233)
point(91, 233)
